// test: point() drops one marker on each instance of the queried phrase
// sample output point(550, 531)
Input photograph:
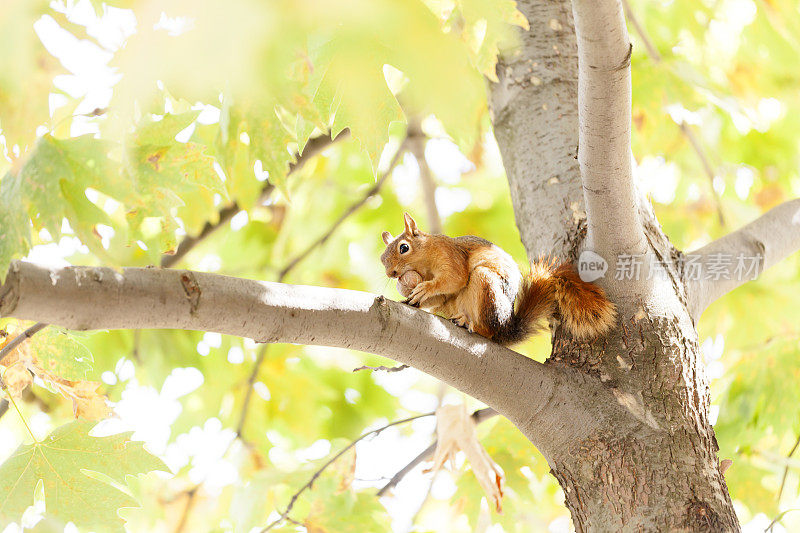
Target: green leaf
point(63, 463)
point(26, 75)
point(487, 25)
point(59, 354)
point(60, 170)
point(348, 81)
point(333, 510)
point(159, 162)
point(15, 233)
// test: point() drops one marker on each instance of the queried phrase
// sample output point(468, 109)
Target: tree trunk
point(654, 466)
point(651, 463)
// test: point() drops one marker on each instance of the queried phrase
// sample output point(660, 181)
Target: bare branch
point(417, 148)
point(786, 469)
point(384, 368)
point(767, 240)
point(191, 495)
point(372, 191)
point(310, 483)
point(262, 353)
point(312, 149)
point(148, 298)
point(479, 416)
point(604, 112)
point(698, 149)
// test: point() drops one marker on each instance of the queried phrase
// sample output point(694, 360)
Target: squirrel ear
point(387, 237)
point(411, 225)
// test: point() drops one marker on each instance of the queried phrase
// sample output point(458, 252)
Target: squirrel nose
point(393, 274)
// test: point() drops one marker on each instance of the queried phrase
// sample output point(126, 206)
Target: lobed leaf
point(63, 463)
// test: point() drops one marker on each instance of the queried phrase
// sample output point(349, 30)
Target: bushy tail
point(583, 306)
point(536, 301)
point(550, 287)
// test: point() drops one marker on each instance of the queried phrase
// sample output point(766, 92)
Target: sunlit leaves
point(487, 26)
point(64, 464)
point(335, 510)
point(26, 72)
point(15, 233)
point(351, 80)
point(763, 394)
point(59, 354)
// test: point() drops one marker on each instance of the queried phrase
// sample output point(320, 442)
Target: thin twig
point(19, 339)
point(777, 519)
point(479, 416)
point(417, 145)
point(330, 461)
point(384, 368)
point(191, 494)
point(137, 339)
point(651, 50)
point(786, 468)
point(427, 452)
point(7, 349)
point(250, 382)
point(312, 148)
point(687, 132)
point(372, 191)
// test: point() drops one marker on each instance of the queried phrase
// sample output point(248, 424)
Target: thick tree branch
point(604, 111)
point(551, 405)
point(762, 243)
point(535, 117)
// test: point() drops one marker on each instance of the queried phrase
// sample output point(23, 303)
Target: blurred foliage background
point(130, 127)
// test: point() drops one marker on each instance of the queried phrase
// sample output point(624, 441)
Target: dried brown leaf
point(455, 429)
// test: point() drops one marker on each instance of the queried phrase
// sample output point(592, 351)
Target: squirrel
point(477, 285)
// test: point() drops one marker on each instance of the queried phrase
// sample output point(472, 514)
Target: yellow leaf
point(16, 378)
point(87, 402)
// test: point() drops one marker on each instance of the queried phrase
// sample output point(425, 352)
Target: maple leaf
point(61, 362)
point(87, 402)
point(16, 378)
point(455, 431)
point(63, 463)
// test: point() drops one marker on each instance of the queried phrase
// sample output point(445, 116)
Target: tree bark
point(652, 464)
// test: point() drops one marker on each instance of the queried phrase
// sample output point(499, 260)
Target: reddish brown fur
point(584, 307)
point(479, 286)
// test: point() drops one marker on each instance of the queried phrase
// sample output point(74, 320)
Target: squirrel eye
point(403, 248)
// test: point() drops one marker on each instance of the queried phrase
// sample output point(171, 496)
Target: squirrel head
point(405, 251)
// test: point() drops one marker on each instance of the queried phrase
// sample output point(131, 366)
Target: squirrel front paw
point(420, 292)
